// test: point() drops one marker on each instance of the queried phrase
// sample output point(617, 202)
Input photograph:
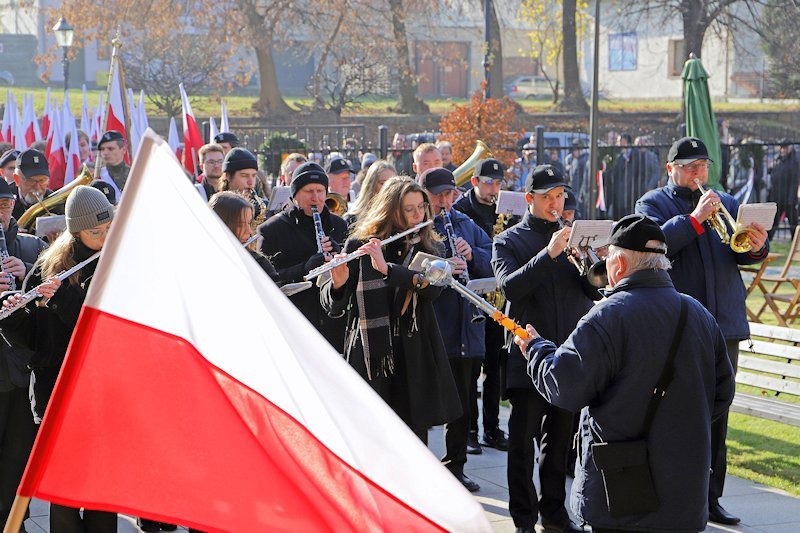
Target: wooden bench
point(770, 361)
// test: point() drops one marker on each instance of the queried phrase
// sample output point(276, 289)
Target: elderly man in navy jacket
point(705, 268)
point(610, 365)
point(546, 290)
point(463, 338)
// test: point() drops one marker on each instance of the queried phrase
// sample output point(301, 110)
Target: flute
point(358, 253)
point(34, 292)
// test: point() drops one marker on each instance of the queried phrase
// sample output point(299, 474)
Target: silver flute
point(319, 232)
point(34, 292)
point(358, 253)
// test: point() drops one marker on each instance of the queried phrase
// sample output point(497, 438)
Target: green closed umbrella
point(700, 119)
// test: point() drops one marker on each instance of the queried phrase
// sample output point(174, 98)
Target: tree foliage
point(489, 120)
point(782, 45)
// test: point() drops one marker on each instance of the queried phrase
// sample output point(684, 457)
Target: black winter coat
point(289, 241)
point(546, 293)
point(428, 396)
point(611, 363)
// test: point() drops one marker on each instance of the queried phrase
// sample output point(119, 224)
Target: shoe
point(560, 526)
point(716, 513)
point(148, 525)
point(467, 482)
point(496, 439)
point(473, 448)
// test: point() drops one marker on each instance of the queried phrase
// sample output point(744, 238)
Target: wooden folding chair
point(791, 298)
point(757, 283)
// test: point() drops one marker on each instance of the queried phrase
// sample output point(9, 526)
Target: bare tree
point(573, 95)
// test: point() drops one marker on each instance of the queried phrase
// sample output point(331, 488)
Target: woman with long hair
point(379, 172)
point(47, 330)
point(392, 338)
point(236, 212)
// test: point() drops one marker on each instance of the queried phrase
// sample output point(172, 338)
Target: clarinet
point(477, 315)
point(319, 231)
point(12, 284)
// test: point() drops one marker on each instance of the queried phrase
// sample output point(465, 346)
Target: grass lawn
point(205, 106)
point(764, 451)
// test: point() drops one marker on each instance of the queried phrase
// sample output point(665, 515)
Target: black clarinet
point(320, 232)
point(12, 284)
point(477, 315)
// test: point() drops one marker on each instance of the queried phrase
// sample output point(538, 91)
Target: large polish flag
point(192, 139)
point(258, 423)
point(115, 114)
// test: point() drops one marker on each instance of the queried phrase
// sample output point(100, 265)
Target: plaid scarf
point(374, 300)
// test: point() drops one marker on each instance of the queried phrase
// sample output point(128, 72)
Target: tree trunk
point(409, 101)
point(270, 102)
point(694, 26)
point(573, 95)
point(496, 52)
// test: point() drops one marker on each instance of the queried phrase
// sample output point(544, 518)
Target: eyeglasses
point(41, 182)
point(8, 205)
point(410, 210)
point(695, 166)
point(98, 233)
point(490, 181)
point(213, 162)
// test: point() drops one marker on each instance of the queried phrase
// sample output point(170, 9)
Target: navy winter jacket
point(610, 365)
point(462, 337)
point(702, 266)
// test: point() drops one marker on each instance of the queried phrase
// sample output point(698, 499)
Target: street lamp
point(64, 35)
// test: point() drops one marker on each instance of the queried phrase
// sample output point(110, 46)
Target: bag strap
point(667, 374)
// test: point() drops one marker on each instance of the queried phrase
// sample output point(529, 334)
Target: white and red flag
point(46, 116)
point(172, 138)
point(224, 126)
point(260, 424)
point(213, 131)
point(86, 114)
point(56, 151)
point(115, 114)
point(192, 139)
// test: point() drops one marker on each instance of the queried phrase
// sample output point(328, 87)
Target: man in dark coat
point(546, 290)
point(479, 204)
point(469, 252)
point(290, 243)
point(785, 178)
point(626, 182)
point(705, 268)
point(576, 169)
point(610, 365)
point(31, 181)
point(17, 429)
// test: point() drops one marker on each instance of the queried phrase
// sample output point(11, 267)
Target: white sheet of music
point(280, 195)
point(482, 285)
point(511, 203)
point(593, 233)
point(763, 214)
point(46, 225)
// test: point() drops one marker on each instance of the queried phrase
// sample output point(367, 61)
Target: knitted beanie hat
point(87, 208)
point(239, 159)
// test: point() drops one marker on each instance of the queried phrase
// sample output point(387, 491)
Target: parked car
point(527, 87)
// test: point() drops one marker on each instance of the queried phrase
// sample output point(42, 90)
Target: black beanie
point(306, 174)
point(239, 159)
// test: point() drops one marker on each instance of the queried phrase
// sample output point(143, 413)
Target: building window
point(677, 57)
point(622, 48)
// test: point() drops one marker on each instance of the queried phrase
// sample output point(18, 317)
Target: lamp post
point(64, 35)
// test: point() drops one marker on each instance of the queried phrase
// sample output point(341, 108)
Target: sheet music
point(279, 197)
point(763, 214)
point(482, 285)
point(46, 225)
point(511, 203)
point(592, 233)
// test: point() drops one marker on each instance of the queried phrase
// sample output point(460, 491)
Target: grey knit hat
point(87, 208)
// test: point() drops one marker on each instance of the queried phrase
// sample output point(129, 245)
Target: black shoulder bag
point(624, 465)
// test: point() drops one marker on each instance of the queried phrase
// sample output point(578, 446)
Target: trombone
point(720, 220)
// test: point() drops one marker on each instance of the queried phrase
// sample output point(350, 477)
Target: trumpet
point(585, 259)
point(327, 267)
point(440, 273)
point(719, 222)
point(336, 203)
point(34, 292)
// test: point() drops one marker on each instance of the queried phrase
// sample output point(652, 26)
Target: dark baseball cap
point(5, 190)
point(104, 188)
point(33, 163)
point(543, 178)
point(687, 149)
point(110, 135)
point(570, 202)
point(338, 165)
point(9, 156)
point(632, 232)
point(488, 168)
point(227, 137)
point(436, 180)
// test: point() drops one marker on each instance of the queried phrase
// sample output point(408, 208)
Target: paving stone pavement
point(762, 509)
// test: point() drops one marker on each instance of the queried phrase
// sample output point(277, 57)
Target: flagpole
point(126, 114)
point(17, 514)
point(116, 44)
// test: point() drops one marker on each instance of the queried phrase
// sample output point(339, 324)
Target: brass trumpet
point(720, 220)
point(336, 203)
point(585, 259)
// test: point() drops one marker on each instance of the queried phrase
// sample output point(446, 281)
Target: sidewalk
point(761, 508)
